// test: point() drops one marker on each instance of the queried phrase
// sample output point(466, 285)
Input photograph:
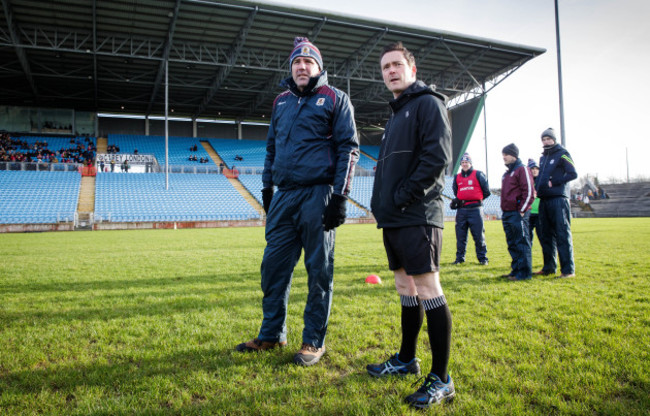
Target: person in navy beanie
point(311, 152)
point(517, 195)
point(470, 188)
point(556, 171)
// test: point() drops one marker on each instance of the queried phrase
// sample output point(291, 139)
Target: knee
point(404, 284)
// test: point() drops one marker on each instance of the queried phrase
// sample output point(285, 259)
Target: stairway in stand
point(234, 181)
point(102, 145)
point(86, 203)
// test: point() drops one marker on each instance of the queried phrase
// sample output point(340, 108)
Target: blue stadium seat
point(38, 196)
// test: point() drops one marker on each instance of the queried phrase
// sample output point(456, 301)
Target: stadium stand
point(38, 197)
point(372, 151)
point(251, 152)
point(179, 147)
point(123, 198)
point(624, 200)
point(366, 163)
point(143, 198)
point(253, 183)
point(362, 190)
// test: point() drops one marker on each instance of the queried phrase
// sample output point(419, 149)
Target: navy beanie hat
point(303, 47)
point(549, 132)
point(511, 150)
point(532, 164)
point(466, 158)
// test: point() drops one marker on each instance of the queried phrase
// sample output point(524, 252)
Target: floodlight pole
point(559, 73)
point(627, 164)
point(166, 124)
point(487, 170)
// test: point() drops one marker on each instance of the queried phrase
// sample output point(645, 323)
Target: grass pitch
point(145, 322)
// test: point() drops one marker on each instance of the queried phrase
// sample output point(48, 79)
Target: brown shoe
point(308, 355)
point(542, 273)
point(259, 345)
point(563, 275)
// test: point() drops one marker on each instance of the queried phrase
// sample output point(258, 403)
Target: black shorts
point(416, 249)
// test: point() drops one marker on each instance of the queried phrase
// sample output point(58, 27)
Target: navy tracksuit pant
point(471, 218)
point(518, 239)
point(533, 222)
point(554, 224)
point(295, 222)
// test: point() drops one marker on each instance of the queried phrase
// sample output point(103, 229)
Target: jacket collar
point(314, 84)
point(514, 165)
point(556, 147)
point(416, 89)
point(469, 172)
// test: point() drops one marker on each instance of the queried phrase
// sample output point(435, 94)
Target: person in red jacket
point(470, 187)
point(517, 196)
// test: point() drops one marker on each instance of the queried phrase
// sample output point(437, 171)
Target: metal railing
point(40, 166)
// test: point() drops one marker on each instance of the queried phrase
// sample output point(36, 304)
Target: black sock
point(439, 328)
point(412, 318)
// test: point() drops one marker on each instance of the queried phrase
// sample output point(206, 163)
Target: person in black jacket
point(556, 171)
point(407, 204)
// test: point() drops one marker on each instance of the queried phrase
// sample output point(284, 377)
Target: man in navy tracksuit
point(470, 188)
point(556, 171)
point(517, 196)
point(312, 148)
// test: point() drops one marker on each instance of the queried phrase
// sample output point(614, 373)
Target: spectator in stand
point(470, 188)
point(556, 171)
point(517, 195)
point(112, 165)
point(534, 209)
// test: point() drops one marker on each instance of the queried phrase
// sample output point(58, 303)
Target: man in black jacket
point(407, 203)
point(556, 171)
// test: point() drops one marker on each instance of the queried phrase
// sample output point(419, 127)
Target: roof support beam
point(355, 61)
point(168, 45)
point(96, 83)
point(223, 72)
point(20, 52)
point(464, 67)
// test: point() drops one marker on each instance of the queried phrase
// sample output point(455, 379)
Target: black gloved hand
point(455, 203)
point(267, 196)
point(334, 212)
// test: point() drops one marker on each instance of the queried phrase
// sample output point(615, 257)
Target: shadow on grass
point(110, 299)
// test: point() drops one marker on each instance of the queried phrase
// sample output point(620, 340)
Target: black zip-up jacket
point(557, 167)
point(414, 155)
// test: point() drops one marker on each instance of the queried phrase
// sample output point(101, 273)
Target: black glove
point(455, 203)
point(334, 212)
point(267, 196)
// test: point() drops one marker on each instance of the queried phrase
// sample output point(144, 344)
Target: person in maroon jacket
point(517, 196)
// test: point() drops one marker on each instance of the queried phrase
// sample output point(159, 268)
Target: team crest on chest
point(320, 101)
point(551, 162)
point(470, 182)
point(407, 114)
